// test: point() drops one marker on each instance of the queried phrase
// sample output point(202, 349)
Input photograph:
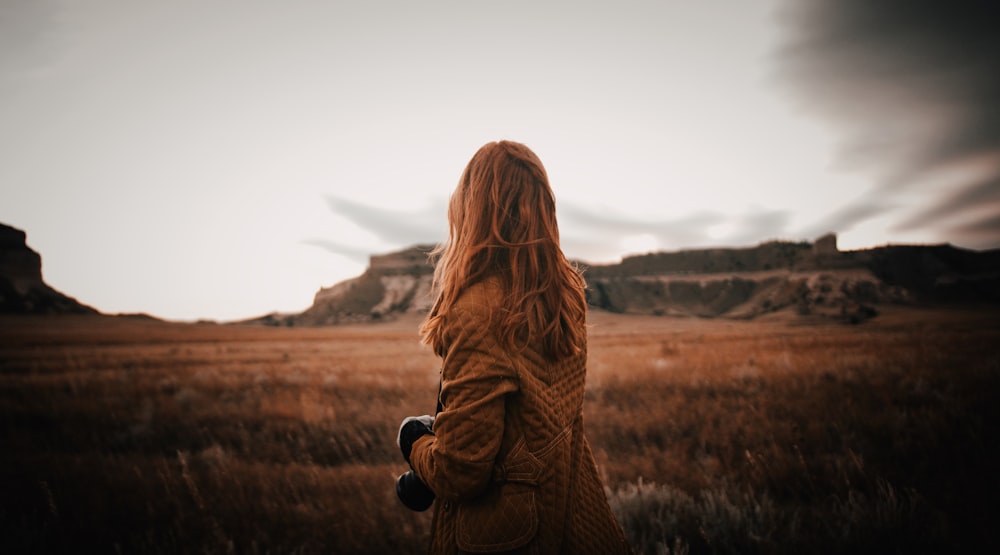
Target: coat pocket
point(503, 519)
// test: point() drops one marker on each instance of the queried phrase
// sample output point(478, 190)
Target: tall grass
point(713, 436)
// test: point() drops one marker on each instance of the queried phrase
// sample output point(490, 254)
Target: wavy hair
point(502, 224)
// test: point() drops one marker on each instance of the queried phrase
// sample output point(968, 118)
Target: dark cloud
point(985, 195)
point(911, 84)
point(977, 228)
point(982, 231)
point(846, 217)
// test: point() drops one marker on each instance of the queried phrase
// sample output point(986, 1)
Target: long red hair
point(502, 224)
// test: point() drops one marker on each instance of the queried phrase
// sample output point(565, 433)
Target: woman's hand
point(410, 430)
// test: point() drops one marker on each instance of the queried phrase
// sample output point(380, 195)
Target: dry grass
point(714, 437)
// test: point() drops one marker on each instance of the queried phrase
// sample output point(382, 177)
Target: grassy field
point(124, 435)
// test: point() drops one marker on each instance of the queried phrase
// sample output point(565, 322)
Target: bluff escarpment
point(22, 289)
point(393, 284)
point(808, 279)
point(850, 295)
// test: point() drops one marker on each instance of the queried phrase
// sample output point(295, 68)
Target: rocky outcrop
point(393, 284)
point(920, 273)
point(22, 289)
point(812, 279)
point(938, 272)
point(807, 279)
point(850, 295)
point(768, 256)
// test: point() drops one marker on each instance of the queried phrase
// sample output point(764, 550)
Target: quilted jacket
point(508, 460)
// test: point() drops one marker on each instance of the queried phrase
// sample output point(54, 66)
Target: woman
point(505, 455)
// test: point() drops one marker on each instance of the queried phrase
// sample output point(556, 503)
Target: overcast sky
point(225, 159)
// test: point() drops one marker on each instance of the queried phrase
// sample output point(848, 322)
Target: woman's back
point(542, 478)
point(506, 456)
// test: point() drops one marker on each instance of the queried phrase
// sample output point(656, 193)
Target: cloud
point(397, 228)
point(25, 44)
point(392, 229)
point(847, 217)
point(599, 235)
point(354, 253)
point(612, 225)
point(984, 195)
point(587, 234)
point(911, 85)
point(982, 232)
point(972, 213)
point(760, 225)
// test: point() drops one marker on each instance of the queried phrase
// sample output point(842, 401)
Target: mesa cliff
point(806, 279)
point(393, 284)
point(22, 289)
point(809, 278)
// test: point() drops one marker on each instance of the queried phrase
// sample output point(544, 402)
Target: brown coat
point(508, 460)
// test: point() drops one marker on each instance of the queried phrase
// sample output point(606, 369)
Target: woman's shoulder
point(482, 296)
point(473, 314)
point(475, 308)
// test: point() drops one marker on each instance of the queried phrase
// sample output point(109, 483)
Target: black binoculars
point(412, 491)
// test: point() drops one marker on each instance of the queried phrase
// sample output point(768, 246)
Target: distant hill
point(22, 289)
point(393, 284)
point(810, 279)
point(807, 279)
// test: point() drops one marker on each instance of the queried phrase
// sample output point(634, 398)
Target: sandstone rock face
point(815, 280)
point(393, 284)
point(21, 266)
point(22, 290)
point(850, 295)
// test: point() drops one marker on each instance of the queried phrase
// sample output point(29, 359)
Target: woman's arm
point(456, 462)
